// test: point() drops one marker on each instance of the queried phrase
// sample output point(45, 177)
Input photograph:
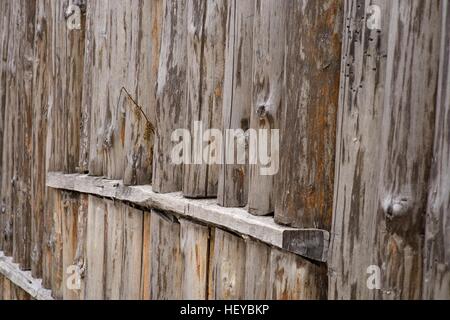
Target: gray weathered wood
point(407, 145)
point(205, 78)
point(194, 242)
point(166, 268)
point(363, 75)
point(267, 98)
point(311, 243)
point(294, 278)
point(227, 267)
point(171, 96)
point(95, 249)
point(23, 279)
point(437, 240)
point(257, 271)
point(308, 121)
point(233, 176)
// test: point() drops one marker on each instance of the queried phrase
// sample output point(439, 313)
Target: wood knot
point(262, 111)
point(396, 207)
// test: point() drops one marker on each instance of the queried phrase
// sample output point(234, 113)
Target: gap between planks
point(23, 279)
point(308, 243)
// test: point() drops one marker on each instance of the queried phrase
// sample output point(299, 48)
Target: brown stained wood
point(41, 101)
point(257, 271)
point(1, 276)
point(308, 121)
point(363, 74)
point(48, 242)
point(114, 247)
point(132, 254)
point(170, 96)
point(166, 265)
point(69, 222)
point(6, 289)
point(233, 177)
point(10, 111)
point(21, 88)
point(295, 278)
point(195, 254)
point(407, 146)
point(95, 274)
point(437, 242)
point(268, 77)
point(146, 257)
point(227, 267)
point(206, 21)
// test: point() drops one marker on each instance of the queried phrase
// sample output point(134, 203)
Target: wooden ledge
point(309, 243)
point(23, 279)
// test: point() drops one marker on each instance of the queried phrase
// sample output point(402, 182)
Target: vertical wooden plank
point(295, 278)
point(132, 257)
point(70, 219)
point(407, 145)
point(41, 90)
point(23, 78)
point(8, 135)
point(166, 264)
point(227, 267)
point(4, 24)
point(257, 271)
point(313, 53)
point(146, 257)
point(47, 246)
point(268, 77)
point(205, 78)
point(114, 249)
point(7, 289)
point(95, 249)
point(80, 254)
point(139, 136)
point(363, 75)
point(59, 207)
point(437, 242)
point(171, 95)
point(233, 178)
point(195, 254)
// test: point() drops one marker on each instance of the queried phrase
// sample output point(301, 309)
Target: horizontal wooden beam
point(309, 243)
point(23, 279)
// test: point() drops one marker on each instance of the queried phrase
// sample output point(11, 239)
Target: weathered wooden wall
point(361, 110)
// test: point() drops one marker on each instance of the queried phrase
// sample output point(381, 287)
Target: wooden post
point(308, 121)
point(171, 96)
point(363, 74)
point(268, 78)
point(257, 271)
point(22, 90)
point(437, 244)
point(205, 77)
point(233, 178)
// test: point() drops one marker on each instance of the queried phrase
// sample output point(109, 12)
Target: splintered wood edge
point(23, 279)
point(308, 243)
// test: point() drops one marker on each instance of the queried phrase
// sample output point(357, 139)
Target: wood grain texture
point(313, 55)
point(206, 23)
point(166, 267)
point(146, 257)
point(233, 176)
point(56, 269)
point(407, 145)
point(8, 136)
point(363, 75)
point(437, 245)
point(95, 249)
point(21, 94)
point(170, 95)
point(81, 250)
point(194, 240)
point(294, 278)
point(257, 271)
point(227, 267)
point(267, 99)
